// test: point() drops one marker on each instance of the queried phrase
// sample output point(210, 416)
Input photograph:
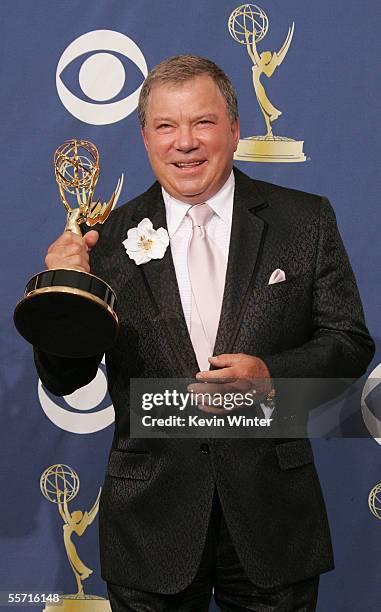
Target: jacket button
point(204, 448)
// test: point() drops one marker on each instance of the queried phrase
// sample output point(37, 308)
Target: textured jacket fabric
point(157, 495)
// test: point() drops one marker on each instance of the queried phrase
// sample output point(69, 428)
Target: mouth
point(189, 165)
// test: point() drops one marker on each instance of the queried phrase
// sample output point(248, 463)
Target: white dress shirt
point(180, 232)
point(218, 229)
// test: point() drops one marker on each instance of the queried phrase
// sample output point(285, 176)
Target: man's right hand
point(71, 251)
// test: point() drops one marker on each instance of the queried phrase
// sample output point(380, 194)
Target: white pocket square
point(278, 276)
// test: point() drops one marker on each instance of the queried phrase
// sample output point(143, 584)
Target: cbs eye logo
point(101, 77)
point(85, 411)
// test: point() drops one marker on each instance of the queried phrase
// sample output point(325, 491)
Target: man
point(181, 516)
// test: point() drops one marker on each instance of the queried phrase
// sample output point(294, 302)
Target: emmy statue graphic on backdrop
point(59, 484)
point(67, 312)
point(248, 25)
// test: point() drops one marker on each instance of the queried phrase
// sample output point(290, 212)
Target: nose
point(185, 139)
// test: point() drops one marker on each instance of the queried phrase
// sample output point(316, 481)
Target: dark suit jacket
point(157, 495)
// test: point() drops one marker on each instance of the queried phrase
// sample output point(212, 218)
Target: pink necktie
point(206, 268)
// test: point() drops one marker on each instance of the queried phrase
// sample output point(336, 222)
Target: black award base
point(67, 313)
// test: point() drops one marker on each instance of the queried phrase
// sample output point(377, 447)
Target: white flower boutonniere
point(143, 243)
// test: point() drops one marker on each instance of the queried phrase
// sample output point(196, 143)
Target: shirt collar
point(221, 203)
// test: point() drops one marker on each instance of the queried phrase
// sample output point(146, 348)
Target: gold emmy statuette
point(59, 484)
point(66, 312)
point(248, 25)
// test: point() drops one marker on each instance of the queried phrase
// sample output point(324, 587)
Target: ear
point(144, 136)
point(235, 127)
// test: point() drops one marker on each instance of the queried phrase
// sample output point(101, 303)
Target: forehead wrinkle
point(175, 92)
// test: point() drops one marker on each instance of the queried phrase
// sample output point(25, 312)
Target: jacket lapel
point(159, 277)
point(246, 239)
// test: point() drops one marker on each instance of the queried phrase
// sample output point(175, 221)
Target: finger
point(91, 238)
point(225, 360)
point(66, 239)
point(223, 374)
point(212, 388)
point(77, 263)
point(66, 250)
point(71, 261)
point(66, 260)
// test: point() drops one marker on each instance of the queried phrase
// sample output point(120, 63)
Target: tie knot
point(200, 214)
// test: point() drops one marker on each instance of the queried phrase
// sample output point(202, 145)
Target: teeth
point(188, 165)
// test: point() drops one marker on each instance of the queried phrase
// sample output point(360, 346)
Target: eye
point(97, 67)
point(164, 127)
point(205, 122)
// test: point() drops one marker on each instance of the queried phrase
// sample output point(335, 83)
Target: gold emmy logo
point(59, 484)
point(248, 25)
point(374, 501)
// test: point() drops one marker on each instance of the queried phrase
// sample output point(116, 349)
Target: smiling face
point(190, 138)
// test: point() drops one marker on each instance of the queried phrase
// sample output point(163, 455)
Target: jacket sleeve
point(64, 375)
point(340, 345)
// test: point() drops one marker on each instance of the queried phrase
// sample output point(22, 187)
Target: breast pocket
point(284, 288)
